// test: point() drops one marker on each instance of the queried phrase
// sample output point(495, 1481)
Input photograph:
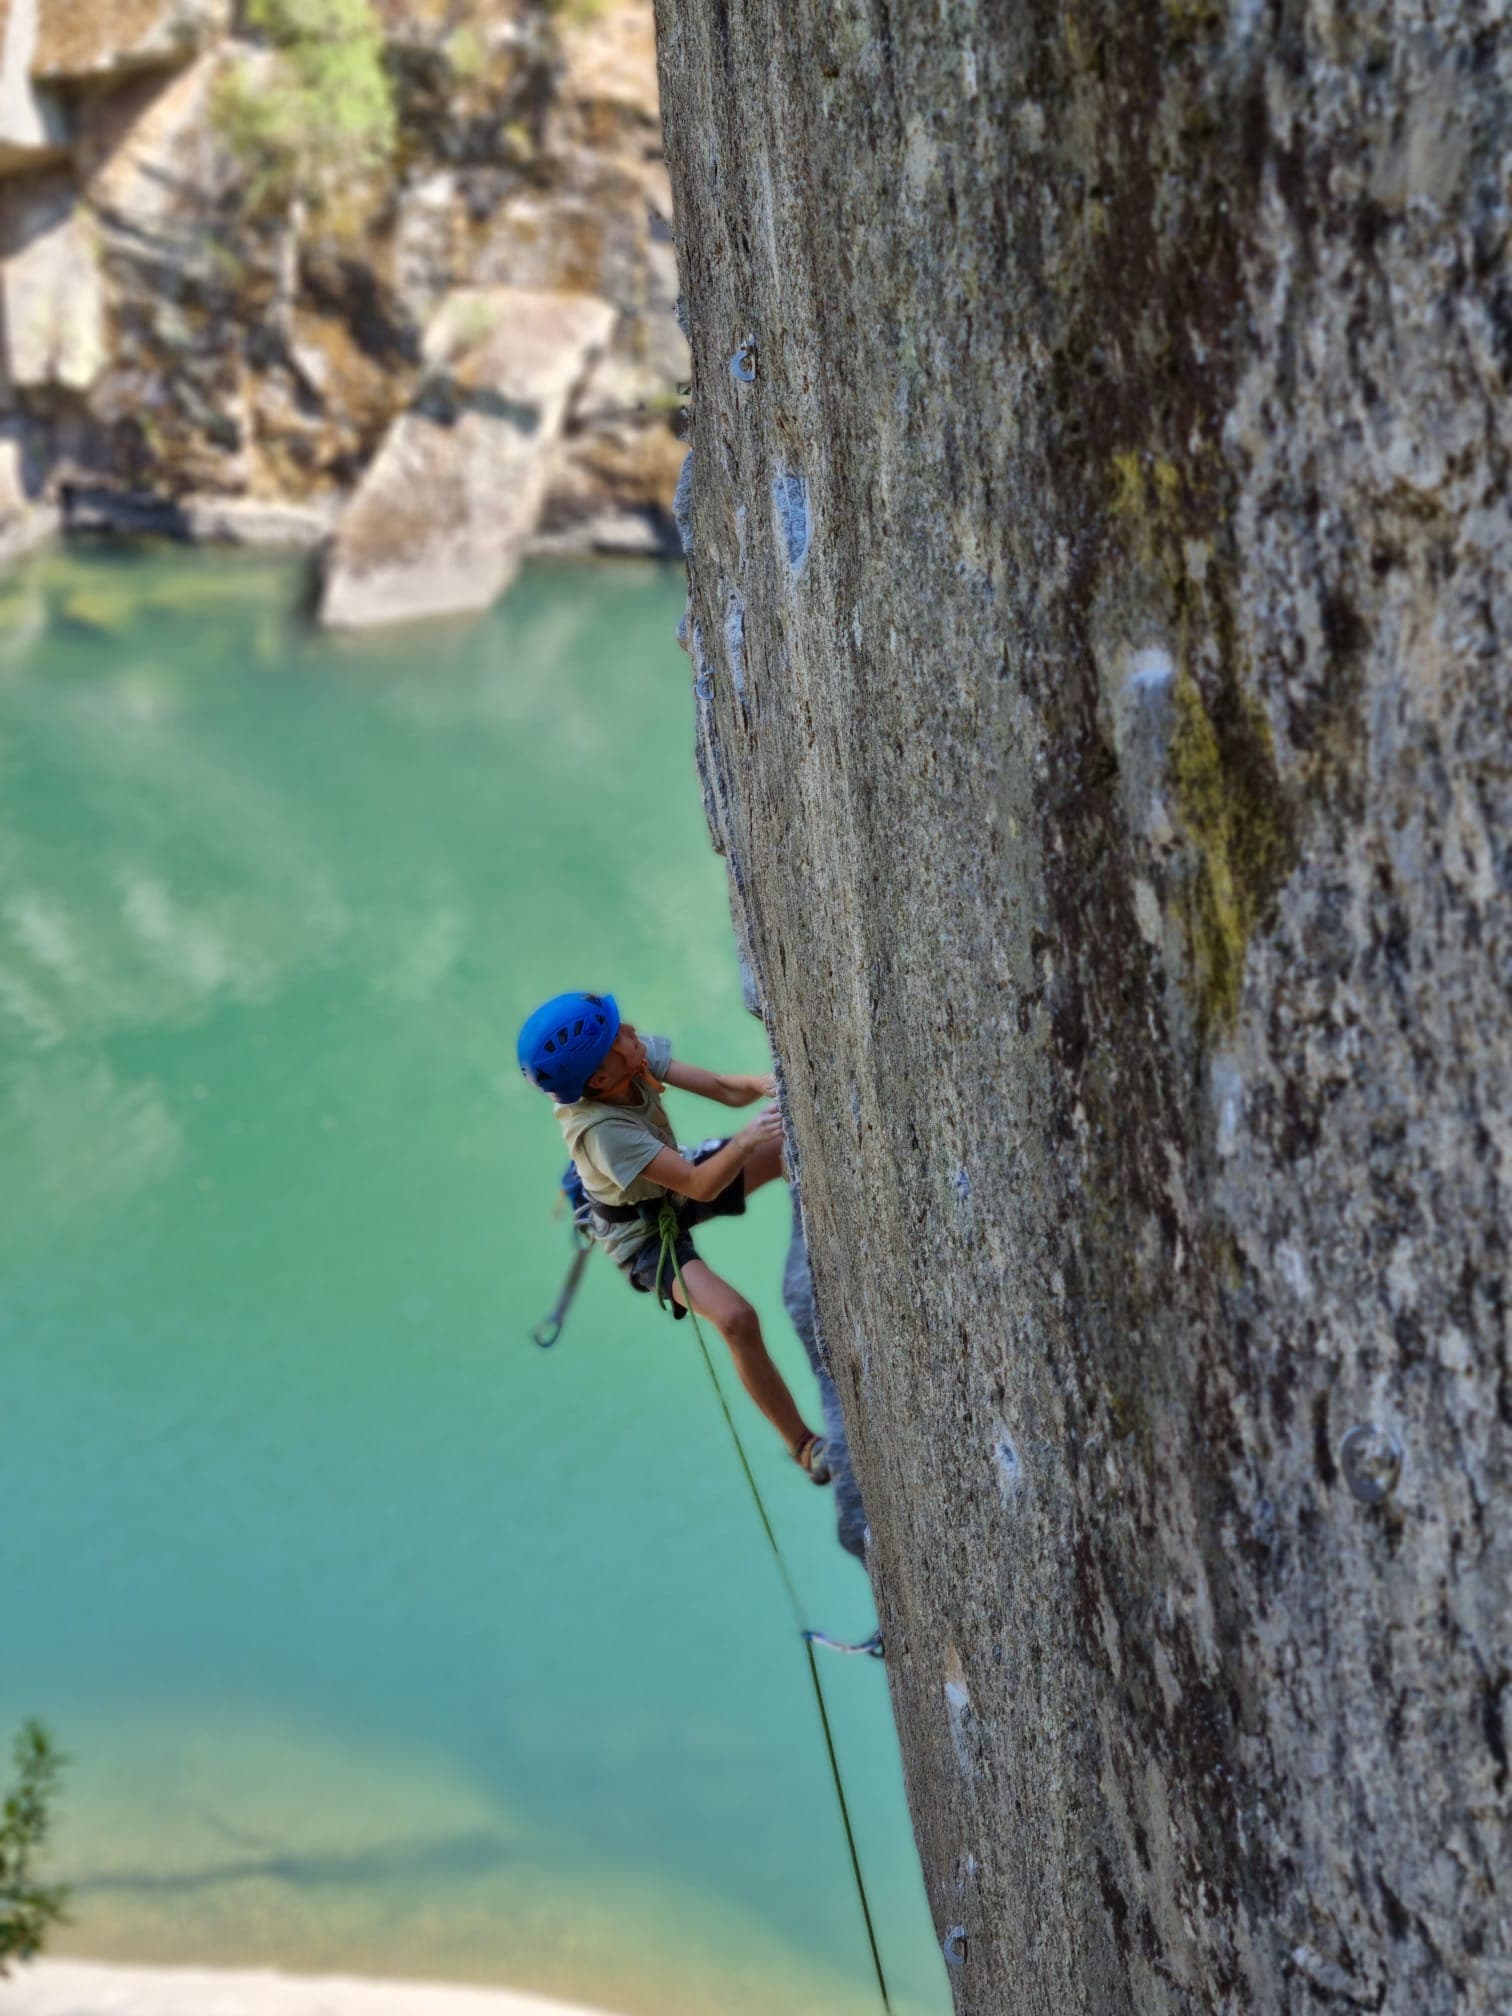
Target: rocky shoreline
point(466, 352)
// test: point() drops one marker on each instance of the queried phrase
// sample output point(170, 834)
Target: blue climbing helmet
point(566, 1040)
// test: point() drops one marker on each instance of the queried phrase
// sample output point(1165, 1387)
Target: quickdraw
point(575, 1197)
point(869, 1648)
point(549, 1328)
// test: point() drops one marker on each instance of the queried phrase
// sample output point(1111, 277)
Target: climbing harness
point(670, 1231)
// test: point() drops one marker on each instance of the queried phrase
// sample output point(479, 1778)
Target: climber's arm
point(703, 1181)
point(725, 1088)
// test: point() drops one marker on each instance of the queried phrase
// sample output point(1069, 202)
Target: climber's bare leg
point(739, 1325)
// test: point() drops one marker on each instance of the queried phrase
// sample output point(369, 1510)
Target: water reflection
point(379, 1642)
point(74, 1132)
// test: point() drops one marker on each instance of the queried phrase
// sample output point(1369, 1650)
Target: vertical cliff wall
point(1099, 611)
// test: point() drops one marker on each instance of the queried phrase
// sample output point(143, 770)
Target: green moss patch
point(1235, 823)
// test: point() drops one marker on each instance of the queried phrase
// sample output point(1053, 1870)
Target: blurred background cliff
point(242, 246)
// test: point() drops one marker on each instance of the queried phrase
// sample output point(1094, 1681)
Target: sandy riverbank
point(95, 1988)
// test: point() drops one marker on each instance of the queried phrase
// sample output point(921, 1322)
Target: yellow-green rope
point(670, 1231)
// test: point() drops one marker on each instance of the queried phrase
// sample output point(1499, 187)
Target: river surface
point(380, 1640)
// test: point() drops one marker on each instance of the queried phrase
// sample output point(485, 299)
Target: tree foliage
point(322, 115)
point(27, 1908)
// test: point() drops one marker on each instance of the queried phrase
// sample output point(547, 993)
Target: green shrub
point(467, 53)
point(324, 118)
point(26, 1907)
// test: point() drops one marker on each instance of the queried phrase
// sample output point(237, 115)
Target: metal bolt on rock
point(1371, 1459)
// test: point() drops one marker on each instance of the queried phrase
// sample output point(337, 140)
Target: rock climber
point(606, 1082)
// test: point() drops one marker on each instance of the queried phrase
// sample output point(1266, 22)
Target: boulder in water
point(439, 523)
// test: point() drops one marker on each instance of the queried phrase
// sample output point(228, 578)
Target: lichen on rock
point(1232, 816)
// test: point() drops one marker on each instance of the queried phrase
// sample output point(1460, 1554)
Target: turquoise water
point(382, 1641)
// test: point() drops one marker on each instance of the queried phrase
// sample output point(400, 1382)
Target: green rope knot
point(670, 1232)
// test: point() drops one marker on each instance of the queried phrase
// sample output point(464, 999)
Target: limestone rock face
point(615, 469)
point(441, 519)
point(33, 125)
point(13, 498)
point(1101, 595)
point(52, 304)
point(148, 158)
point(609, 72)
point(798, 1300)
point(90, 39)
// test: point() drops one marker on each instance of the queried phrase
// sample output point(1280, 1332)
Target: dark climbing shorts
point(730, 1203)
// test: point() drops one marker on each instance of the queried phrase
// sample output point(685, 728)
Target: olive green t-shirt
point(611, 1143)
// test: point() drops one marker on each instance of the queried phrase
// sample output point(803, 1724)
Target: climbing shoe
point(812, 1456)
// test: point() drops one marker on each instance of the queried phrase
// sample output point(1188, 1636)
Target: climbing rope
point(669, 1230)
